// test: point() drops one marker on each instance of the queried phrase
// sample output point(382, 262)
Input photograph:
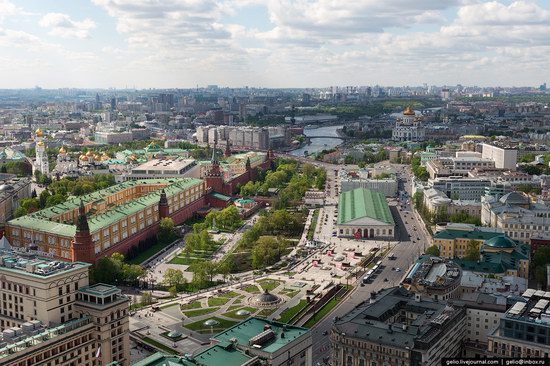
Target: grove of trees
point(226, 219)
point(114, 270)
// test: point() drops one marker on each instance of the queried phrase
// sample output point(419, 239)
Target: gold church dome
point(62, 150)
point(408, 111)
point(39, 132)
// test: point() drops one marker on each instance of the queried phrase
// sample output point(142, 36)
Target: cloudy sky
point(273, 43)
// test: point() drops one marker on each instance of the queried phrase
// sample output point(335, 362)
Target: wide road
point(406, 252)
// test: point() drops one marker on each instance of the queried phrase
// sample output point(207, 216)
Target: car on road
point(325, 332)
point(398, 269)
point(385, 280)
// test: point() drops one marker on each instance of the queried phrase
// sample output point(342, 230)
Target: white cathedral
point(408, 127)
point(41, 162)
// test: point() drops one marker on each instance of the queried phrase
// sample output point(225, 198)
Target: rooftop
point(433, 272)
point(165, 165)
point(30, 264)
point(246, 331)
point(465, 232)
point(533, 306)
point(42, 220)
point(33, 333)
point(359, 203)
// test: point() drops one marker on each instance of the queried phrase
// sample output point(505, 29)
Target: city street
point(406, 251)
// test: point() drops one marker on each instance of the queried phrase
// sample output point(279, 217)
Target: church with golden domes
point(408, 127)
point(41, 160)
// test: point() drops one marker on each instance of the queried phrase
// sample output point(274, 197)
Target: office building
point(161, 168)
point(360, 179)
point(524, 331)
point(460, 188)
point(504, 158)
point(12, 191)
point(398, 327)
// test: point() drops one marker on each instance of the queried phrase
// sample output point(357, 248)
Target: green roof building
point(252, 342)
point(364, 214)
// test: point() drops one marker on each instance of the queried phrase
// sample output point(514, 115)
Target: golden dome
point(408, 111)
point(90, 154)
point(62, 150)
point(83, 157)
point(105, 157)
point(97, 157)
point(39, 132)
point(40, 143)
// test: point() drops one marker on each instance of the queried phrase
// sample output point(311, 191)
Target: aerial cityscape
point(247, 183)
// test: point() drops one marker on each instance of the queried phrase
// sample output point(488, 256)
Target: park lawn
point(230, 294)
point(233, 313)
point(199, 312)
point(217, 301)
point(169, 305)
point(266, 312)
point(252, 289)
point(191, 305)
point(313, 225)
point(289, 313)
point(238, 301)
point(149, 252)
point(233, 307)
point(184, 260)
point(290, 293)
point(160, 346)
point(269, 284)
point(199, 325)
point(327, 308)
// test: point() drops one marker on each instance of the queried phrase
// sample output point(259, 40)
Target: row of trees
point(441, 214)
point(114, 270)
point(370, 157)
point(19, 168)
point(419, 171)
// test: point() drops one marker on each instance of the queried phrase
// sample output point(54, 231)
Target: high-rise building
point(50, 315)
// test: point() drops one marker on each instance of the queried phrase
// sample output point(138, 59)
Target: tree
point(19, 211)
point(146, 298)
point(29, 204)
point(166, 229)
point(173, 291)
point(433, 250)
point(132, 272)
point(472, 251)
point(107, 270)
point(173, 277)
point(541, 275)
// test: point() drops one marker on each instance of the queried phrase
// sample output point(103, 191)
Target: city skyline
point(273, 44)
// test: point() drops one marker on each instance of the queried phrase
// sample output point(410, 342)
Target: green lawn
point(252, 289)
point(233, 307)
point(191, 305)
point(160, 346)
point(233, 313)
point(148, 253)
point(217, 301)
point(313, 225)
point(169, 305)
point(199, 325)
point(290, 293)
point(288, 314)
point(230, 294)
point(269, 284)
point(199, 312)
point(266, 312)
point(327, 308)
point(184, 260)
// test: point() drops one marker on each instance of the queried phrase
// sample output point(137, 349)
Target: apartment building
point(461, 188)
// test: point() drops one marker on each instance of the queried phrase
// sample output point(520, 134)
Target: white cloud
point(62, 25)
point(7, 9)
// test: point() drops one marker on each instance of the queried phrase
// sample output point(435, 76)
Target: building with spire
point(41, 160)
point(408, 127)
